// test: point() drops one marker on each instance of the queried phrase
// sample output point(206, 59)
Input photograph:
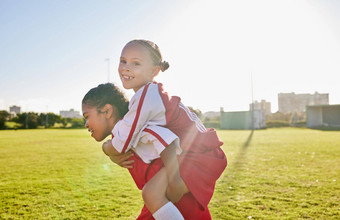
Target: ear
point(156, 71)
point(108, 110)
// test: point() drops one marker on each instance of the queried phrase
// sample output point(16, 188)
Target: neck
point(136, 89)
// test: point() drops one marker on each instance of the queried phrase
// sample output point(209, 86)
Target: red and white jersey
point(152, 141)
point(154, 120)
point(150, 107)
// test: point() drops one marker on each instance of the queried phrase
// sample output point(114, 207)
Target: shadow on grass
point(240, 159)
point(326, 128)
point(246, 144)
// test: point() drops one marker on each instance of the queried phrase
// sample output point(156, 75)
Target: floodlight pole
point(46, 126)
point(252, 103)
point(26, 121)
point(108, 69)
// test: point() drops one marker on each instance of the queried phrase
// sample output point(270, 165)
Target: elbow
point(104, 148)
point(108, 149)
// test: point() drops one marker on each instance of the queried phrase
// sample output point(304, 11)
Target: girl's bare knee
point(154, 192)
point(147, 194)
point(152, 198)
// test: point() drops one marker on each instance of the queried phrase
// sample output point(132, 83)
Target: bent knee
point(148, 194)
point(153, 199)
point(145, 193)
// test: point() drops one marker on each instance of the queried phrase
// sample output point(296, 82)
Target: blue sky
point(53, 52)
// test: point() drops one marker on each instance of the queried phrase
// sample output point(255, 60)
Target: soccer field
point(283, 173)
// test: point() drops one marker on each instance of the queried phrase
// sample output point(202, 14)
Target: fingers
point(127, 164)
point(127, 155)
point(123, 157)
point(123, 160)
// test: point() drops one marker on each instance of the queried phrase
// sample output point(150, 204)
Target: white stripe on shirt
point(193, 117)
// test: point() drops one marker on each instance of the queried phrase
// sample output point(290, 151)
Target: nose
point(86, 125)
point(125, 67)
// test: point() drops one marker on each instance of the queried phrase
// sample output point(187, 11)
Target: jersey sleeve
point(160, 137)
point(146, 108)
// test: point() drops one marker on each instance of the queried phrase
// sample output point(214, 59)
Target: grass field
point(272, 174)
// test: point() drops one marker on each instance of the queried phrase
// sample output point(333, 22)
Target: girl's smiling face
point(136, 67)
point(97, 122)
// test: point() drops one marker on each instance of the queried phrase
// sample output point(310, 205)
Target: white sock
point(168, 212)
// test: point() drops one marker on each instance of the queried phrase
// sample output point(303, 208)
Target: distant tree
point(63, 121)
point(28, 120)
point(4, 115)
point(279, 116)
point(49, 119)
point(279, 119)
point(77, 122)
point(42, 119)
point(68, 120)
point(197, 112)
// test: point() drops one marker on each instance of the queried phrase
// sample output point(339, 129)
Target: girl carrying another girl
point(191, 168)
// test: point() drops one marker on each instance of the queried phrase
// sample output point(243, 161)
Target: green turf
point(279, 174)
point(272, 174)
point(62, 174)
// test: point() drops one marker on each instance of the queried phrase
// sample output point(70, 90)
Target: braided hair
point(107, 94)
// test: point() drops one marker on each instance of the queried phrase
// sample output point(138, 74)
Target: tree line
point(32, 120)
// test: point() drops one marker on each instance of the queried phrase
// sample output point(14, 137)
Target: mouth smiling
point(125, 77)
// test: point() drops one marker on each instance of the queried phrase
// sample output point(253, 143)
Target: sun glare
point(279, 42)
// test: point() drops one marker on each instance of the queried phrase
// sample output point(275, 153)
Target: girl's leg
point(154, 196)
point(154, 191)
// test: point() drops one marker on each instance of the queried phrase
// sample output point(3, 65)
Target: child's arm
point(116, 157)
point(108, 149)
point(176, 187)
point(145, 106)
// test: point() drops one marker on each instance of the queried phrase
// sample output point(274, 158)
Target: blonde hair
point(155, 53)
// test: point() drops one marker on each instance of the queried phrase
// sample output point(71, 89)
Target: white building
point(291, 102)
point(263, 105)
point(70, 114)
point(323, 116)
point(15, 109)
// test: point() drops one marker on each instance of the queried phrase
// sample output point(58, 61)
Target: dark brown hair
point(107, 94)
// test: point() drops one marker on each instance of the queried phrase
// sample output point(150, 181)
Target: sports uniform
point(201, 161)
